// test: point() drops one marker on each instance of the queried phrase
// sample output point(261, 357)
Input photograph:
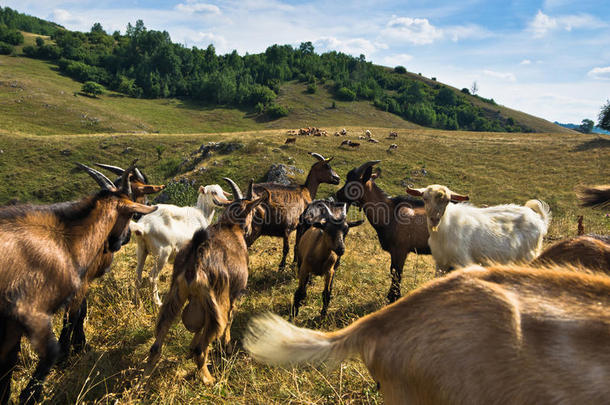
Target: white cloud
point(543, 24)
point(402, 59)
point(460, 32)
point(526, 62)
point(602, 73)
point(500, 75)
point(418, 31)
point(354, 46)
point(193, 6)
point(64, 17)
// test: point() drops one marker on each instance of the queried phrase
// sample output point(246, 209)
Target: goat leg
point(326, 294)
point(285, 250)
point(79, 340)
point(40, 330)
point(10, 336)
point(299, 294)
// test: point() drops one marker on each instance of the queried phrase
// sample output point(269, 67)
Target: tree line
point(146, 63)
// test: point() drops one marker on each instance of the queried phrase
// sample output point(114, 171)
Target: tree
point(604, 117)
point(400, 69)
point(586, 126)
point(474, 88)
point(92, 88)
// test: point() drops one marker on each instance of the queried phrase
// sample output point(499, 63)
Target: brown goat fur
point(596, 196)
point(286, 203)
point(319, 252)
point(498, 335)
point(400, 222)
point(210, 272)
point(46, 253)
point(586, 251)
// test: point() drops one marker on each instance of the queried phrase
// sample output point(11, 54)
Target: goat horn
point(125, 184)
point(329, 214)
point(237, 196)
point(250, 192)
point(344, 210)
point(364, 166)
point(317, 156)
point(103, 181)
point(114, 169)
point(140, 176)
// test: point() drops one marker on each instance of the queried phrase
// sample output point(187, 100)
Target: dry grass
point(492, 168)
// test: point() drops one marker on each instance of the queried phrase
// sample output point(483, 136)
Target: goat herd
point(531, 327)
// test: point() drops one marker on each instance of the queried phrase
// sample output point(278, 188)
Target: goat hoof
point(205, 376)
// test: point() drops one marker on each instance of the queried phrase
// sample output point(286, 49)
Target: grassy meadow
point(491, 167)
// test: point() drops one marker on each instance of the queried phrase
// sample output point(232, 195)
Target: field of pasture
point(491, 168)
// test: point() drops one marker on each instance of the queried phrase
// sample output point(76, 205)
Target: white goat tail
point(136, 228)
point(271, 339)
point(542, 209)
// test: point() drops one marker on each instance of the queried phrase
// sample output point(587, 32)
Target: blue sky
point(549, 58)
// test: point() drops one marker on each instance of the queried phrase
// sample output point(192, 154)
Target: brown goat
point(589, 251)
point(289, 201)
point(72, 332)
point(46, 253)
point(290, 140)
point(319, 252)
point(498, 335)
point(400, 222)
point(210, 272)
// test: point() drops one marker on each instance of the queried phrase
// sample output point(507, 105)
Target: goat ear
point(459, 197)
point(367, 174)
point(131, 207)
point(147, 188)
point(353, 224)
point(417, 192)
point(201, 190)
point(228, 195)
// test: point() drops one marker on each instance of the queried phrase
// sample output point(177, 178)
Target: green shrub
point(346, 94)
point(275, 111)
point(39, 41)
point(181, 193)
point(92, 88)
point(400, 69)
point(312, 88)
point(6, 49)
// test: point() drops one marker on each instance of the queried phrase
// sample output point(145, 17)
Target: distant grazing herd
point(532, 327)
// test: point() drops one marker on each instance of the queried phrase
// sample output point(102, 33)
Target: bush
point(346, 94)
point(400, 69)
point(277, 111)
point(92, 88)
point(39, 41)
point(180, 193)
point(6, 49)
point(13, 37)
point(312, 88)
point(465, 91)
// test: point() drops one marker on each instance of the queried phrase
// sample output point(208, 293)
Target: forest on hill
point(147, 64)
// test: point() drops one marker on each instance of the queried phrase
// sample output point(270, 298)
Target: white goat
point(169, 230)
point(461, 234)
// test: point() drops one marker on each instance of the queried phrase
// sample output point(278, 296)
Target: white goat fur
point(471, 235)
point(171, 228)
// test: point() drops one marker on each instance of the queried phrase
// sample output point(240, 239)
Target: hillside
point(36, 99)
point(490, 167)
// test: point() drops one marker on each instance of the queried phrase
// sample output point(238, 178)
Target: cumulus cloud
point(542, 24)
point(602, 73)
point(193, 6)
point(460, 32)
point(354, 46)
point(418, 31)
point(64, 17)
point(526, 62)
point(500, 75)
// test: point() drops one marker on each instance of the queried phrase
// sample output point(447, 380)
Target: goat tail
point(597, 196)
point(541, 208)
point(136, 228)
point(271, 339)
